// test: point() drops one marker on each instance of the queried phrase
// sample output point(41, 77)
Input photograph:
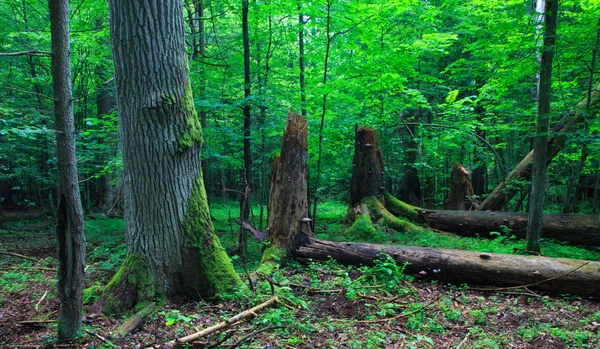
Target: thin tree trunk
point(538, 182)
point(301, 59)
point(323, 110)
point(69, 228)
point(246, 203)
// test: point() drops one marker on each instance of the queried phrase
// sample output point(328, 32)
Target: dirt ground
point(317, 309)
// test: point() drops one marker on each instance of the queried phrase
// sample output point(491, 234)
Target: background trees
point(397, 66)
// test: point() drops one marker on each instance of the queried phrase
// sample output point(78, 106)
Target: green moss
point(402, 209)
point(192, 134)
point(91, 294)
point(362, 228)
point(133, 284)
point(272, 258)
point(389, 219)
point(215, 265)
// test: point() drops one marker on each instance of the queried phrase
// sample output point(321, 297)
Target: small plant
point(175, 316)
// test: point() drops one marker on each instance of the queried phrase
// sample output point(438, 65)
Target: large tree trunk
point(576, 229)
point(171, 245)
point(460, 189)
point(501, 194)
point(468, 267)
point(288, 203)
point(69, 228)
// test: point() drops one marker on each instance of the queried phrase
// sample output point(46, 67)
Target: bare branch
point(26, 53)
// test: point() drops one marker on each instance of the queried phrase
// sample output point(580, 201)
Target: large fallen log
point(573, 228)
point(559, 275)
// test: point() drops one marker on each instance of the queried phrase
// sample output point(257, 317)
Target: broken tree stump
point(460, 189)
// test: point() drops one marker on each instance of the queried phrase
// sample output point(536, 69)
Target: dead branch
point(19, 255)
point(401, 315)
point(26, 53)
point(250, 335)
point(98, 336)
point(135, 321)
point(222, 325)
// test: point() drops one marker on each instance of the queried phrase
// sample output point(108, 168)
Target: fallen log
point(573, 228)
point(559, 275)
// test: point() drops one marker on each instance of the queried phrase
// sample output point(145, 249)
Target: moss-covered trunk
point(169, 233)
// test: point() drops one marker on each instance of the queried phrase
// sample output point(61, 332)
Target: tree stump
point(460, 189)
point(367, 173)
point(288, 202)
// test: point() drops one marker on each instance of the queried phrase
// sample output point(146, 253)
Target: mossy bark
point(402, 209)
point(362, 228)
point(272, 258)
point(387, 218)
point(132, 286)
point(166, 210)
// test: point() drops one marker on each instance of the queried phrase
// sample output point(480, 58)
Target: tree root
point(381, 212)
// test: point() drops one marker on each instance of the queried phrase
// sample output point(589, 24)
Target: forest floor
point(321, 305)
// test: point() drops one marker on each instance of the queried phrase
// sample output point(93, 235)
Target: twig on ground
point(19, 255)
point(98, 336)
point(463, 341)
point(399, 316)
point(37, 305)
point(36, 322)
point(250, 335)
point(222, 325)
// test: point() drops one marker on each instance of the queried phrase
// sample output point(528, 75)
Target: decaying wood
point(501, 194)
point(461, 189)
point(573, 228)
point(222, 325)
point(134, 321)
point(259, 235)
point(367, 171)
point(288, 201)
point(468, 267)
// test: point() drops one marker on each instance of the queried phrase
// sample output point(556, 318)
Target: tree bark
point(171, 245)
point(367, 164)
point(460, 189)
point(538, 182)
point(502, 193)
point(548, 274)
point(576, 229)
point(288, 203)
point(69, 228)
